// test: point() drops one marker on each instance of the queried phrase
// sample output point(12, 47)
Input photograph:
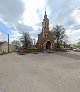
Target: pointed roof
point(45, 16)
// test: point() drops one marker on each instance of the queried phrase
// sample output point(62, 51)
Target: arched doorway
point(48, 45)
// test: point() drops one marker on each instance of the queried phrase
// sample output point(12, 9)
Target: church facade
point(46, 37)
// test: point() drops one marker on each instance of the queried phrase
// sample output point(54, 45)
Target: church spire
point(45, 16)
point(45, 11)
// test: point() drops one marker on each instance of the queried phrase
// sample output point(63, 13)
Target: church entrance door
point(48, 45)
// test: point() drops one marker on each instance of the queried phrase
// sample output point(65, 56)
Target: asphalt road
point(44, 72)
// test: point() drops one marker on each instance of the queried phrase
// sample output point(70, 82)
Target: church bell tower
point(46, 37)
point(45, 24)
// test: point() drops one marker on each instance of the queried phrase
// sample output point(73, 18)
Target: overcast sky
point(18, 16)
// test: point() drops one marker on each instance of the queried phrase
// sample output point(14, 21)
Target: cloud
point(15, 36)
point(76, 27)
point(67, 14)
point(76, 16)
point(6, 29)
point(3, 37)
point(61, 10)
point(73, 35)
point(33, 11)
point(32, 30)
point(20, 16)
point(18, 29)
point(23, 28)
point(73, 18)
point(11, 10)
point(0, 33)
point(15, 31)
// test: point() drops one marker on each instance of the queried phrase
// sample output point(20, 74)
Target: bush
point(57, 49)
point(60, 49)
point(31, 50)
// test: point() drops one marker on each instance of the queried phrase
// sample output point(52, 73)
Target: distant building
point(4, 47)
point(46, 37)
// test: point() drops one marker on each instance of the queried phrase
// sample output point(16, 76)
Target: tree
point(26, 40)
point(59, 33)
point(16, 44)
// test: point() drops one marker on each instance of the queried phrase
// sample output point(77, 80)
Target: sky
point(18, 16)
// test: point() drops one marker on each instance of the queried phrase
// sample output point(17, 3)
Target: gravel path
point(42, 72)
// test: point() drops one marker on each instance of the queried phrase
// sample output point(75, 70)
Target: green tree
point(59, 33)
point(26, 40)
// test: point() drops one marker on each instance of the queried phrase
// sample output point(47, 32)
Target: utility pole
point(34, 43)
point(8, 43)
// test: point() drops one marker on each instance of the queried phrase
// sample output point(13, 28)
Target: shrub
point(60, 49)
point(31, 50)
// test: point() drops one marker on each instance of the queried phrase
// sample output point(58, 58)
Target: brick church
point(46, 37)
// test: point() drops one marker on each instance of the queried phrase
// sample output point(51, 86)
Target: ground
point(43, 72)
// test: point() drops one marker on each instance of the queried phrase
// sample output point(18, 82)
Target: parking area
point(43, 72)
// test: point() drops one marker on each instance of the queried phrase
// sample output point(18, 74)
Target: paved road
point(39, 73)
point(74, 52)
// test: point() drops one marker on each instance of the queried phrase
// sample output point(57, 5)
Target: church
point(46, 37)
